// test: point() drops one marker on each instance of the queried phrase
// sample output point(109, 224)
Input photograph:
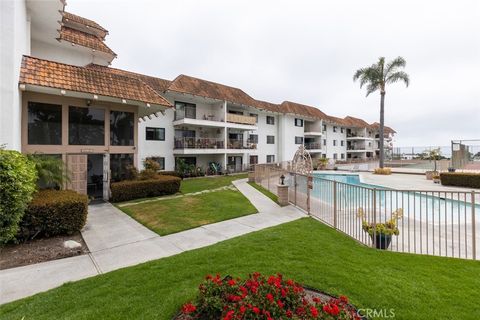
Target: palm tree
point(376, 77)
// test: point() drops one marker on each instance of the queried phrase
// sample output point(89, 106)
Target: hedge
point(136, 189)
point(54, 212)
point(17, 184)
point(460, 179)
point(169, 173)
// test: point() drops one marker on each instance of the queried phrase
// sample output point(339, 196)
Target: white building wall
point(14, 42)
point(264, 130)
point(157, 148)
point(288, 132)
point(329, 149)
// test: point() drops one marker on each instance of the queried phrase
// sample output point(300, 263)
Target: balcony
point(198, 146)
point(313, 146)
point(238, 144)
point(199, 117)
point(241, 119)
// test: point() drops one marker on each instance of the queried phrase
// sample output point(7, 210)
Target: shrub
point(460, 179)
point(169, 173)
point(135, 189)
point(147, 174)
point(259, 297)
point(131, 173)
point(384, 171)
point(17, 184)
point(52, 172)
point(54, 212)
point(150, 164)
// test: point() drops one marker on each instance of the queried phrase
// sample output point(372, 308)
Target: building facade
point(60, 97)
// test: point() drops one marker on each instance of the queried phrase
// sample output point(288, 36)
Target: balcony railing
point(313, 145)
point(194, 113)
point(237, 118)
point(199, 143)
point(239, 144)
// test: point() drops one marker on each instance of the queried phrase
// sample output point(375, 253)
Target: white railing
point(440, 223)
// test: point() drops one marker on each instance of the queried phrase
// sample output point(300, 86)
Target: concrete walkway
point(116, 241)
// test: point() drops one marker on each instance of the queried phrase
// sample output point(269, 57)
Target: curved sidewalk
point(116, 241)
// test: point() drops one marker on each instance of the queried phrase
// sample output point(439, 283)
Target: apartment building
point(59, 96)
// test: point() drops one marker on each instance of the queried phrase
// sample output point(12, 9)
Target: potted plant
point(381, 233)
point(433, 155)
point(436, 178)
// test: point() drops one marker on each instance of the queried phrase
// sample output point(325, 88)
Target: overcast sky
point(307, 52)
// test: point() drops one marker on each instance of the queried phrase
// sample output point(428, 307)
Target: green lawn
point(174, 215)
point(199, 184)
point(415, 286)
point(264, 191)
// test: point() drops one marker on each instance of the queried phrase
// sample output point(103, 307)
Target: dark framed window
point(155, 134)
point(335, 156)
point(298, 140)
point(298, 122)
point(159, 160)
point(86, 126)
point(235, 112)
point(334, 142)
point(119, 164)
point(324, 128)
point(122, 125)
point(342, 130)
point(191, 161)
point(334, 129)
point(270, 120)
point(253, 159)
point(253, 138)
point(44, 123)
point(270, 158)
point(324, 142)
point(342, 143)
point(270, 139)
point(342, 155)
point(185, 110)
point(255, 116)
point(324, 155)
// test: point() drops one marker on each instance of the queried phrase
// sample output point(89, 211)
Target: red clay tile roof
point(84, 39)
point(158, 84)
point(336, 120)
point(67, 16)
point(51, 74)
point(267, 106)
point(301, 109)
point(386, 129)
point(355, 122)
point(208, 89)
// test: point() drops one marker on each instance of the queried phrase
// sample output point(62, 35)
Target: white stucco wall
point(14, 42)
point(288, 132)
point(330, 136)
point(264, 130)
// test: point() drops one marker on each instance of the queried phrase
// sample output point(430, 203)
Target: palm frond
point(399, 76)
point(393, 65)
point(372, 87)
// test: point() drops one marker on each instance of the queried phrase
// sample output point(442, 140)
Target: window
point(342, 143)
point(324, 155)
point(235, 112)
point(119, 164)
point(253, 159)
point(334, 142)
point(191, 161)
point(121, 128)
point(86, 126)
point(335, 156)
point(298, 140)
point(255, 116)
point(156, 134)
point(44, 123)
point(324, 128)
point(253, 138)
point(342, 155)
point(324, 142)
point(270, 120)
point(334, 129)
point(369, 144)
point(298, 122)
point(342, 130)
point(159, 160)
point(185, 110)
point(270, 158)
point(270, 139)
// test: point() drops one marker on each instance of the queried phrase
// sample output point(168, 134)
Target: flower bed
point(259, 297)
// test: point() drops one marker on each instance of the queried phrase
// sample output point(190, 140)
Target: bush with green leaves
point(17, 184)
point(51, 170)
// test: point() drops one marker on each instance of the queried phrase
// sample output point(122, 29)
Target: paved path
point(116, 241)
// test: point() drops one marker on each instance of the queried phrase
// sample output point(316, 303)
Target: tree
point(376, 77)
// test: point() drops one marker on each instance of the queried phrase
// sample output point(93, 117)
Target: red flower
point(289, 314)
point(229, 315)
point(280, 304)
point(243, 309)
point(188, 308)
point(269, 297)
point(344, 299)
point(314, 311)
point(231, 282)
point(256, 310)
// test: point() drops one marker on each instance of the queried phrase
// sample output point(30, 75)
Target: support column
point(282, 193)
